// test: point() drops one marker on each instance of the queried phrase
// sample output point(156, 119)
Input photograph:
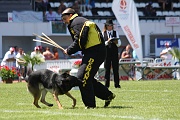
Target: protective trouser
point(91, 87)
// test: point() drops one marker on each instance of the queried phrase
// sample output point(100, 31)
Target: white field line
point(74, 114)
point(150, 90)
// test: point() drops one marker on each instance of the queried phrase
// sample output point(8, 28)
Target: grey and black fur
point(42, 81)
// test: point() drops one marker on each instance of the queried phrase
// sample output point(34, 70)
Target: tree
point(175, 52)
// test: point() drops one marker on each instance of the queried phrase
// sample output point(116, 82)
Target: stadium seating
point(102, 9)
point(13, 5)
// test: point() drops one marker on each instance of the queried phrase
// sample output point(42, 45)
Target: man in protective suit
point(87, 38)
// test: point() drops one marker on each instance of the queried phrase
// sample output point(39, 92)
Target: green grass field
point(138, 100)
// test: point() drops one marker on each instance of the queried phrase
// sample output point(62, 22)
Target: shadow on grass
point(116, 107)
point(110, 107)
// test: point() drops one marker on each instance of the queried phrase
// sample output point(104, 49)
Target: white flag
point(126, 14)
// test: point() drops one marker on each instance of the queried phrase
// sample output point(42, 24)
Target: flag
point(126, 14)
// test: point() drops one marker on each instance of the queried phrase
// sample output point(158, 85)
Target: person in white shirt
point(50, 15)
point(165, 52)
point(19, 64)
point(37, 52)
point(112, 59)
point(9, 58)
point(58, 15)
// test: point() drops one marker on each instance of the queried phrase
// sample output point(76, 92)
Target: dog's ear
point(65, 75)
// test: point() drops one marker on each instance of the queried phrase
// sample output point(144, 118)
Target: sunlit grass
point(135, 100)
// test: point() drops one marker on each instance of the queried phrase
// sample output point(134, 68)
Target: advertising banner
point(160, 44)
point(27, 16)
point(126, 14)
point(172, 21)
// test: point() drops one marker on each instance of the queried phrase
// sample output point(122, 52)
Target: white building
point(21, 35)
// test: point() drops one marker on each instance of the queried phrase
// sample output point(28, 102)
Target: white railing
point(56, 65)
point(66, 64)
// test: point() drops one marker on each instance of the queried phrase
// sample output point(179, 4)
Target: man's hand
point(65, 52)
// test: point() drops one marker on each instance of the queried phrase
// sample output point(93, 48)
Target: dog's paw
point(73, 106)
point(50, 105)
point(37, 106)
point(74, 103)
point(61, 108)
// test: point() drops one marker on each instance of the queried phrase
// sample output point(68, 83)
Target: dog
point(42, 81)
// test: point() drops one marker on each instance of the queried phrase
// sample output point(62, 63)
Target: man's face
point(37, 50)
point(66, 19)
point(50, 11)
point(20, 51)
point(12, 52)
point(167, 46)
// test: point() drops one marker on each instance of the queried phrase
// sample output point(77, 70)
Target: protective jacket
point(85, 34)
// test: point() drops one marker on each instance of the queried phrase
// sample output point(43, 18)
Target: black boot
point(110, 98)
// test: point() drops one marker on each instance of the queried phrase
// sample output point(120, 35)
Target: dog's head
point(66, 76)
point(66, 81)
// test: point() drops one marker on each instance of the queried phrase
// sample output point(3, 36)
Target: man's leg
point(86, 89)
point(87, 93)
point(100, 90)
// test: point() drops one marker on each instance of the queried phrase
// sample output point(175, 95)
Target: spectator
point(62, 7)
point(16, 50)
point(76, 7)
point(41, 49)
point(48, 55)
point(149, 10)
point(169, 5)
point(19, 64)
point(112, 58)
point(36, 52)
point(90, 4)
point(9, 58)
point(50, 15)
point(41, 5)
point(38, 5)
point(127, 52)
point(45, 5)
point(165, 52)
point(166, 4)
point(56, 54)
point(36, 56)
point(87, 12)
point(58, 15)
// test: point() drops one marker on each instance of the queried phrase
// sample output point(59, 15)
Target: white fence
point(66, 64)
point(56, 65)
